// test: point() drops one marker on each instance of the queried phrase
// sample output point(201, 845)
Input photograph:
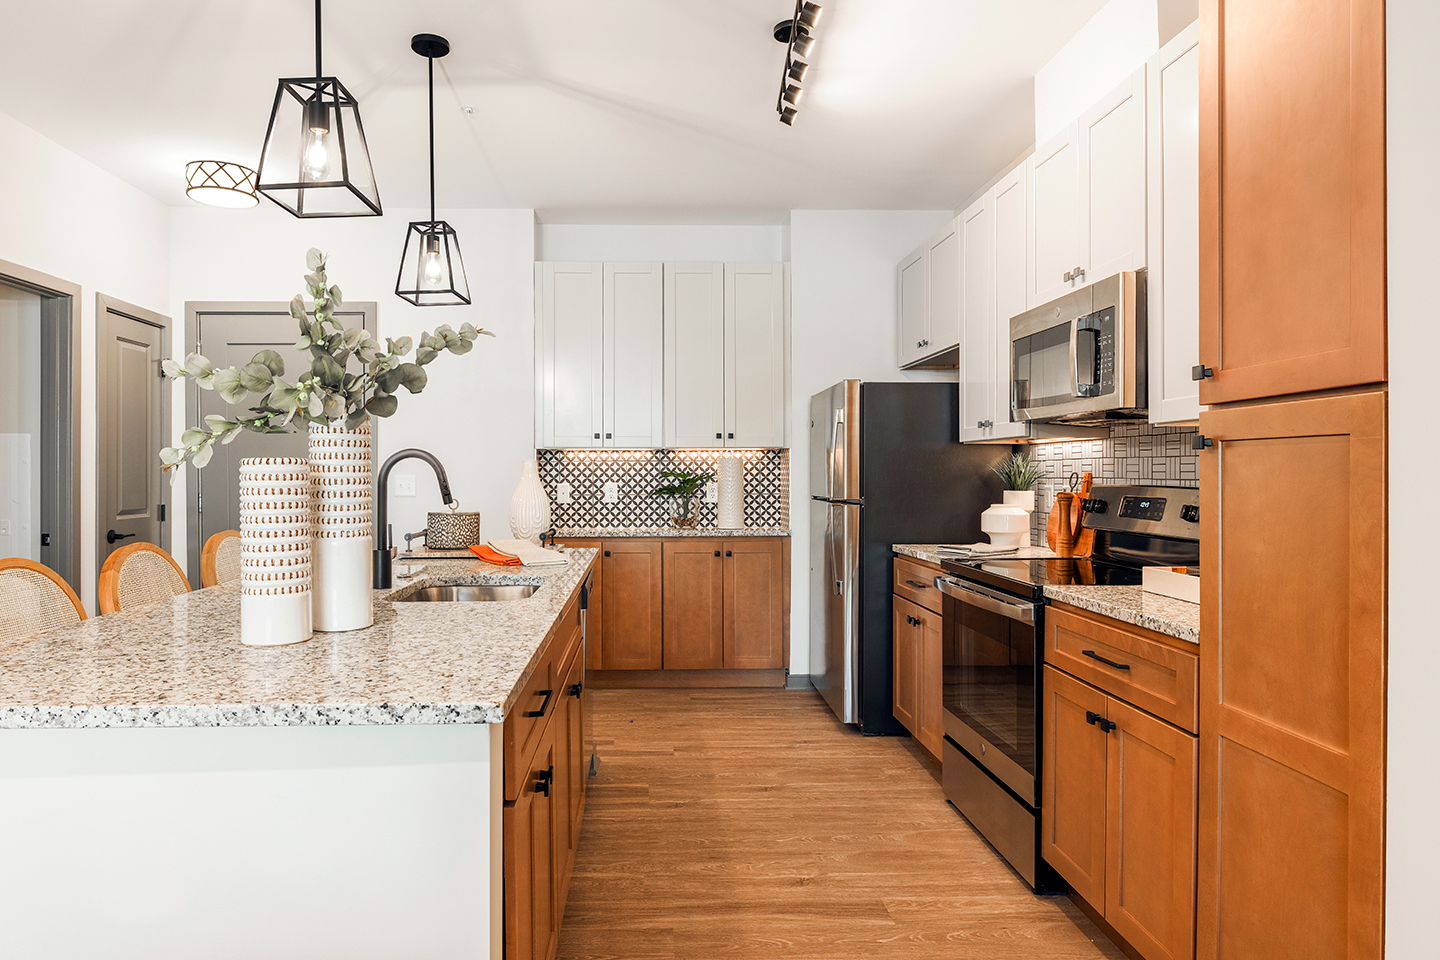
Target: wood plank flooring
point(749, 823)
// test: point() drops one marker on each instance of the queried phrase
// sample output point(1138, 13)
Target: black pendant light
point(431, 263)
point(315, 162)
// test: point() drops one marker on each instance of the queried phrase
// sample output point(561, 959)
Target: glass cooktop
point(1030, 577)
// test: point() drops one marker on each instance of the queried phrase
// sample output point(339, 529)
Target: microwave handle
point(1074, 357)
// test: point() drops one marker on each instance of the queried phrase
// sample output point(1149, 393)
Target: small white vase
point(1006, 525)
point(341, 495)
point(1025, 500)
point(275, 571)
point(529, 507)
point(730, 496)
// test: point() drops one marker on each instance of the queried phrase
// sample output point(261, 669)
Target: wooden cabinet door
point(1054, 219)
point(694, 605)
point(569, 354)
point(694, 352)
point(593, 619)
point(1150, 839)
point(755, 347)
point(944, 254)
point(1292, 678)
point(977, 342)
point(1073, 784)
point(634, 355)
point(905, 653)
point(1292, 196)
point(531, 922)
point(1011, 209)
point(632, 600)
point(930, 680)
point(754, 604)
point(914, 322)
point(569, 787)
point(1172, 101)
point(1112, 182)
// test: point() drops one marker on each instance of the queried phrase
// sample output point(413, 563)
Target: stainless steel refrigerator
point(886, 467)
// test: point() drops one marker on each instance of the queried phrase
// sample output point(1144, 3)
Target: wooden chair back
point(33, 599)
point(138, 575)
point(220, 560)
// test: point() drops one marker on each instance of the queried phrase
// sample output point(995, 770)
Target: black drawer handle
point(917, 586)
point(607, 553)
point(543, 779)
point(1092, 718)
point(717, 553)
point(544, 706)
point(1111, 663)
point(575, 689)
point(728, 553)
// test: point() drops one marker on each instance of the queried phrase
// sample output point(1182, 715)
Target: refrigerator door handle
point(834, 449)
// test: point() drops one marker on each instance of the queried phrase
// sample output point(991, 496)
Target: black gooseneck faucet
point(383, 553)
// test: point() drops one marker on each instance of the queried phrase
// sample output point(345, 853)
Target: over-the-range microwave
point(1081, 358)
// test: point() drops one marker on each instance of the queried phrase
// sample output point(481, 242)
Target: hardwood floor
point(749, 823)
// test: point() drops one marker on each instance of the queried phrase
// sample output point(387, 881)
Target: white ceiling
point(586, 110)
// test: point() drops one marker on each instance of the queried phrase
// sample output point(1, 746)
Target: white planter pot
point(1025, 500)
point(1006, 525)
point(529, 507)
point(275, 558)
point(341, 494)
point(730, 499)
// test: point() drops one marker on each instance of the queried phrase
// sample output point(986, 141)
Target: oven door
point(990, 698)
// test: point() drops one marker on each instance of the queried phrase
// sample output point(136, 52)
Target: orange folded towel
point(490, 555)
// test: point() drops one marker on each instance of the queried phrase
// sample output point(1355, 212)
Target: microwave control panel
point(1095, 354)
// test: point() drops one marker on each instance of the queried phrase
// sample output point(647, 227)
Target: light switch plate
point(564, 492)
point(404, 485)
point(612, 492)
point(712, 492)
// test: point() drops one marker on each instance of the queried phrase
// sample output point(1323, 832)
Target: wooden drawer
point(1153, 675)
point(915, 581)
point(539, 698)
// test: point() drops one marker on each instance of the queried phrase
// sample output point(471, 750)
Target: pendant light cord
point(318, 72)
point(431, 61)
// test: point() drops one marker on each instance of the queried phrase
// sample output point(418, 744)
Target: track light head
point(804, 43)
point(809, 14)
point(792, 95)
point(787, 116)
point(795, 72)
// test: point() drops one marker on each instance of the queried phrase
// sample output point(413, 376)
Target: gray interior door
point(130, 498)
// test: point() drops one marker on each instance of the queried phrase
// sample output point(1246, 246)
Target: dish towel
point(484, 552)
point(529, 554)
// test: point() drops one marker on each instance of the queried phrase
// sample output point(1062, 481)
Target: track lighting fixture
point(799, 42)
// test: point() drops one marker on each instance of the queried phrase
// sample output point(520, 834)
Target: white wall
point(477, 412)
point(842, 326)
point(586, 241)
point(1412, 31)
point(1111, 46)
point(62, 215)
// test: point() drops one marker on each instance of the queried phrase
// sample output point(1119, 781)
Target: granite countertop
point(926, 552)
point(1174, 618)
point(180, 663)
point(619, 533)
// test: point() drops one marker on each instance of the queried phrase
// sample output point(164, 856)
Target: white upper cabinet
point(634, 355)
point(913, 323)
point(1010, 203)
point(694, 354)
point(1112, 182)
point(756, 342)
point(1174, 172)
point(944, 254)
point(569, 348)
point(1055, 248)
point(977, 348)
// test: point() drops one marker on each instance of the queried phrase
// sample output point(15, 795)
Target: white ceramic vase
point(529, 507)
point(275, 557)
point(730, 498)
point(1006, 525)
point(341, 494)
point(1025, 500)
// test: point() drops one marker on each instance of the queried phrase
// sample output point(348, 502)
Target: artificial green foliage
point(329, 391)
point(684, 486)
point(1018, 471)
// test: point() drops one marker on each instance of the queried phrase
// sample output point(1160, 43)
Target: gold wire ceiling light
point(798, 35)
point(220, 183)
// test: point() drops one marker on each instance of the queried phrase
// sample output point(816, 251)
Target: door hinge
point(162, 513)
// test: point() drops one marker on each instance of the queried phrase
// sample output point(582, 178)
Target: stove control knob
point(1191, 512)
point(1095, 505)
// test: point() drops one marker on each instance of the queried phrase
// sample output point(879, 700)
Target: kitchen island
point(168, 792)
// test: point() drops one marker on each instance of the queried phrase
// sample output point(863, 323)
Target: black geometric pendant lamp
point(315, 162)
point(431, 273)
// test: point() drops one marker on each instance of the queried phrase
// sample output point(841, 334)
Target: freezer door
point(835, 606)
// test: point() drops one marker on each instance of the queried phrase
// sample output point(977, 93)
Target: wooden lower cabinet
point(1073, 802)
point(694, 575)
point(632, 604)
point(906, 669)
point(918, 673)
point(754, 604)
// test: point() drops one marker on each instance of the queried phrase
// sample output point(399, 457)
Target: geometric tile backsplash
point(1135, 453)
point(637, 472)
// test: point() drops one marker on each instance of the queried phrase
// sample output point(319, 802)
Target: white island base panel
point(309, 843)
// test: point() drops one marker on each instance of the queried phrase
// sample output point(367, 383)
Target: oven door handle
point(986, 599)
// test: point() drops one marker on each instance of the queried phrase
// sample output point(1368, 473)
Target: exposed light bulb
point(317, 157)
point(434, 269)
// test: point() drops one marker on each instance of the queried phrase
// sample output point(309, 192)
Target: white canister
point(730, 494)
point(1025, 500)
point(1006, 524)
point(529, 506)
point(274, 551)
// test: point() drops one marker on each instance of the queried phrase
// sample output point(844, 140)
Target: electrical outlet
point(564, 492)
point(712, 492)
point(612, 492)
point(404, 485)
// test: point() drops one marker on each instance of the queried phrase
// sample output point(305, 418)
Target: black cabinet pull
point(597, 436)
point(717, 553)
point(1111, 663)
point(717, 436)
point(1093, 718)
point(917, 586)
point(728, 553)
point(576, 688)
point(544, 706)
point(1201, 372)
point(607, 553)
point(1200, 442)
point(609, 436)
point(543, 779)
point(731, 436)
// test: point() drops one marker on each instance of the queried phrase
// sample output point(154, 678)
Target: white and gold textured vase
point(275, 572)
point(341, 489)
point(529, 507)
point(730, 496)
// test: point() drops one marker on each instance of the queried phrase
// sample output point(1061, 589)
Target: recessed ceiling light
point(220, 183)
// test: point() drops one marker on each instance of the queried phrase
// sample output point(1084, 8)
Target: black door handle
point(1111, 663)
point(575, 689)
point(544, 706)
point(112, 536)
point(1093, 718)
point(543, 779)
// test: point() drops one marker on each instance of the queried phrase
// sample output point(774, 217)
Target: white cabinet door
point(694, 354)
point(1174, 287)
point(1112, 182)
point(755, 347)
point(943, 254)
point(570, 354)
point(634, 355)
point(977, 348)
point(1055, 222)
point(1010, 205)
point(914, 323)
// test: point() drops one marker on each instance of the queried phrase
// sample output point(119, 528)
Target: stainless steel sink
point(470, 592)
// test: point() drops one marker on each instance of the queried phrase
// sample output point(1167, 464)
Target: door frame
point(60, 330)
point(194, 310)
point(103, 305)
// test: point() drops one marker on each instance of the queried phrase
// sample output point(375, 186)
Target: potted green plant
point(684, 487)
point(1020, 475)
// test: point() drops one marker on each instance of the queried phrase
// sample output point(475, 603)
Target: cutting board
point(1084, 539)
